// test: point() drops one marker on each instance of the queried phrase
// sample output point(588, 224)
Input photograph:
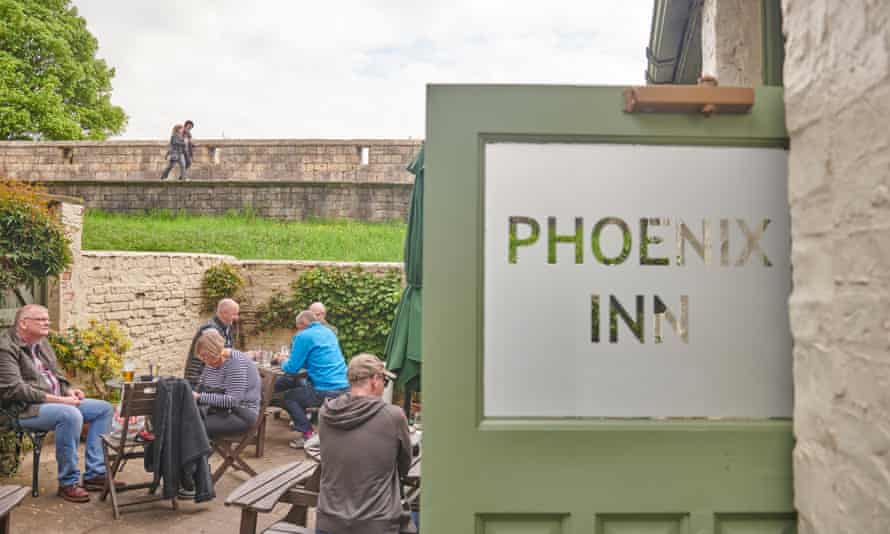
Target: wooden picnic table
point(10, 497)
point(297, 483)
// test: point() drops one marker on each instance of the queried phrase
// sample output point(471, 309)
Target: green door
point(506, 452)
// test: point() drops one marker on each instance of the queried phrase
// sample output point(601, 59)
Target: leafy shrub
point(361, 305)
point(220, 282)
point(92, 355)
point(32, 243)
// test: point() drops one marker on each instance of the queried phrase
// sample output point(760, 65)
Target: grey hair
point(306, 317)
point(20, 313)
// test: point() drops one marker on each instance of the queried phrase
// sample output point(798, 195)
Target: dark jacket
point(19, 378)
point(181, 445)
point(177, 147)
point(193, 365)
point(365, 448)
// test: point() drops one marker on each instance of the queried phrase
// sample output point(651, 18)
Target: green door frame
point(555, 475)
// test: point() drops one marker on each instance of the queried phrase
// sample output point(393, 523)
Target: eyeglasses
point(386, 379)
point(37, 319)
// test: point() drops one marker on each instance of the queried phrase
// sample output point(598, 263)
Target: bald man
point(30, 375)
point(223, 322)
point(321, 314)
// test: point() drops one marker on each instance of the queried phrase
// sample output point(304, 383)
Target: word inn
point(699, 239)
point(526, 232)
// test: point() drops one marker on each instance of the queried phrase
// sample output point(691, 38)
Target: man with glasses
point(29, 374)
point(365, 450)
point(316, 349)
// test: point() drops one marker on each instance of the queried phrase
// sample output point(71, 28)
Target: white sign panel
point(636, 281)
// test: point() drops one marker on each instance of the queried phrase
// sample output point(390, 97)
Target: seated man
point(365, 448)
point(315, 348)
point(29, 374)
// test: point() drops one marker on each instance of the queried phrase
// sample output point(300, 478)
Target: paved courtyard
point(49, 514)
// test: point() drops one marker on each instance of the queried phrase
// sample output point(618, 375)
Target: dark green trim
point(773, 47)
point(636, 425)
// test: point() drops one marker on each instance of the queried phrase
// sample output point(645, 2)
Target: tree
point(33, 245)
point(52, 86)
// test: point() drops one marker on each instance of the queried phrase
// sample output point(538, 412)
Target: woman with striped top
point(229, 386)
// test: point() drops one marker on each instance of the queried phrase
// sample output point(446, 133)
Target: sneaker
point(186, 494)
point(300, 441)
point(74, 493)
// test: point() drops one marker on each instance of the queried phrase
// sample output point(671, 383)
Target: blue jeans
point(299, 395)
point(66, 421)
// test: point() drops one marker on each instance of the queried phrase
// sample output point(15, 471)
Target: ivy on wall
point(360, 304)
point(219, 282)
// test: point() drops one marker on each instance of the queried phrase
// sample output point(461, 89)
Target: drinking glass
point(129, 370)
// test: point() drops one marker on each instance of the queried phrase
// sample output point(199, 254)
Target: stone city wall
point(157, 299)
point(283, 200)
point(837, 101)
point(285, 160)
point(288, 179)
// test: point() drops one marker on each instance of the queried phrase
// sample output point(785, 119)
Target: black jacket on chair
point(181, 444)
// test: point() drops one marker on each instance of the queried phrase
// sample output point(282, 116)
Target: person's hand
point(71, 400)
point(76, 393)
point(196, 396)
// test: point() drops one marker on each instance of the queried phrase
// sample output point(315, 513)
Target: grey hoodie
point(365, 447)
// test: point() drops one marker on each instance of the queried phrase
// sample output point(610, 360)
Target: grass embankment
point(245, 236)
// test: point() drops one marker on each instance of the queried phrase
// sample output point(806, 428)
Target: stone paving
point(49, 514)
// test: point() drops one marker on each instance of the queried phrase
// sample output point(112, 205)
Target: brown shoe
point(98, 484)
point(74, 493)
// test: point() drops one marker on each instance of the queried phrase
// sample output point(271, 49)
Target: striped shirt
point(238, 378)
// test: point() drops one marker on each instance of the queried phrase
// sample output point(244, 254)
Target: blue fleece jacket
point(317, 350)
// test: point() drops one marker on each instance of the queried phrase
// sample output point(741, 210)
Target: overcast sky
point(347, 69)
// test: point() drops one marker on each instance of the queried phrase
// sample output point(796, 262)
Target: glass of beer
point(129, 371)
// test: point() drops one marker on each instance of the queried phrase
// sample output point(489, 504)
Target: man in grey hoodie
point(365, 449)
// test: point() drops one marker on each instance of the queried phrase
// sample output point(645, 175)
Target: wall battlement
point(286, 160)
point(288, 179)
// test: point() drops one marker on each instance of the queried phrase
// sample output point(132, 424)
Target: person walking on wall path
point(176, 153)
point(189, 145)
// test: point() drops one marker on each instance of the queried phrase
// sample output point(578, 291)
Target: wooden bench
point(282, 484)
point(288, 528)
point(10, 497)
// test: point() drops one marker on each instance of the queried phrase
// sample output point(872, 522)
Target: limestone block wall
point(837, 97)
point(157, 299)
point(284, 200)
point(287, 160)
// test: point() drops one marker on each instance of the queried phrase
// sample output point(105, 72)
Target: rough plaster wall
point(837, 97)
point(731, 41)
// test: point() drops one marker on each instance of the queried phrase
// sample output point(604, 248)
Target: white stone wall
point(157, 298)
point(837, 97)
point(731, 41)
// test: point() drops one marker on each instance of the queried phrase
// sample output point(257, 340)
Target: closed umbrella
point(403, 344)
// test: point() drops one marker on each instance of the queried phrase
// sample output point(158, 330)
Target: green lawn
point(245, 236)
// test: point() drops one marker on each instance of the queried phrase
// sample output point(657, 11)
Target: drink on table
point(129, 372)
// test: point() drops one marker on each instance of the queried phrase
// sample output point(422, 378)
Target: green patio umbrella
point(403, 344)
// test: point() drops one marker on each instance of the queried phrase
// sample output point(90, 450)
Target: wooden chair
point(231, 447)
point(10, 413)
point(138, 399)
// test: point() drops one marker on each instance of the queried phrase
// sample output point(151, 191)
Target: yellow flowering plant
point(92, 355)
